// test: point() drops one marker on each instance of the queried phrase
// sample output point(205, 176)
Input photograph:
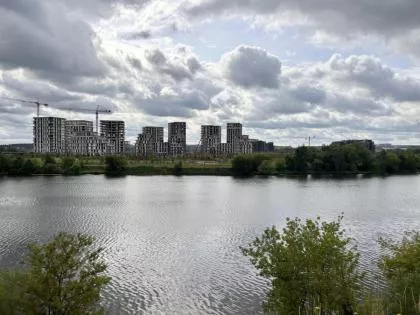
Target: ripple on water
point(172, 244)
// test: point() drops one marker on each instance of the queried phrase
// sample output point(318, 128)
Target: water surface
point(172, 243)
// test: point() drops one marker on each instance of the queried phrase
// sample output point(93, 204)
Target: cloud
point(396, 21)
point(46, 40)
point(137, 35)
point(172, 104)
point(179, 65)
point(369, 72)
point(252, 67)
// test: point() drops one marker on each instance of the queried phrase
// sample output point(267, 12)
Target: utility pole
point(309, 140)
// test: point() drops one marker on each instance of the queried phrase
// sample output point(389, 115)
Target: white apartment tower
point(114, 132)
point(49, 135)
point(211, 137)
point(177, 138)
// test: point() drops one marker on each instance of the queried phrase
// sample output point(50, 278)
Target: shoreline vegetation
point(332, 160)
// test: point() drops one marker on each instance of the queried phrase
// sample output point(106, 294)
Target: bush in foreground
point(401, 267)
point(64, 277)
point(312, 267)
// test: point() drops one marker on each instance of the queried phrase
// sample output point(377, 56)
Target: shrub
point(311, 266)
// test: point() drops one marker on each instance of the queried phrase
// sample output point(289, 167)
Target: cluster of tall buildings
point(76, 137)
point(151, 141)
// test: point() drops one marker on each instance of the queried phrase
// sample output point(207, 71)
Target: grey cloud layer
point(395, 21)
point(49, 51)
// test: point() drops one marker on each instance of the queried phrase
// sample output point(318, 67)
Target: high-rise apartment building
point(234, 137)
point(114, 132)
point(177, 138)
point(82, 140)
point(153, 134)
point(150, 142)
point(49, 135)
point(211, 137)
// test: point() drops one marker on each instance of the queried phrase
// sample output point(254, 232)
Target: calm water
point(172, 243)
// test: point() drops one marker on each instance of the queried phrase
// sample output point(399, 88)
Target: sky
point(286, 69)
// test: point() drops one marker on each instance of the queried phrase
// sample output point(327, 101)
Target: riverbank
point(333, 160)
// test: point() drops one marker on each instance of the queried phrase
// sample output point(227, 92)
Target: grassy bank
point(343, 160)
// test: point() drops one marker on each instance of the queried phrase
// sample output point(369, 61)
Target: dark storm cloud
point(43, 38)
point(35, 89)
point(252, 67)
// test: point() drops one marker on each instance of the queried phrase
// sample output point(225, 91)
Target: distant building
point(234, 137)
point(49, 135)
point(150, 142)
point(262, 146)
point(225, 149)
point(114, 132)
point(128, 148)
point(368, 144)
point(211, 137)
point(177, 138)
point(245, 146)
point(82, 140)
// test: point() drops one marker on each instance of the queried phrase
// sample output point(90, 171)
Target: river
point(172, 243)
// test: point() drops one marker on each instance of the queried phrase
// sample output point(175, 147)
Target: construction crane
point(38, 104)
point(96, 111)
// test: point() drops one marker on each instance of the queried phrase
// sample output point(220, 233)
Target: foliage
point(71, 166)
point(311, 265)
point(177, 170)
point(115, 165)
point(64, 277)
point(12, 301)
point(401, 266)
point(246, 165)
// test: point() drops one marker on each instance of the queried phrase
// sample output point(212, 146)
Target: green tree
point(177, 170)
point(5, 163)
point(67, 162)
point(115, 165)
point(12, 284)
point(246, 165)
point(63, 277)
point(312, 267)
point(28, 167)
point(401, 267)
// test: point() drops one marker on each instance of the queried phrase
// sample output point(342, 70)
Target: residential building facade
point(234, 137)
point(211, 138)
point(177, 138)
point(113, 131)
point(49, 135)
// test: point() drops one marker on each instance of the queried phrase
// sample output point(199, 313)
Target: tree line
point(332, 159)
point(23, 165)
